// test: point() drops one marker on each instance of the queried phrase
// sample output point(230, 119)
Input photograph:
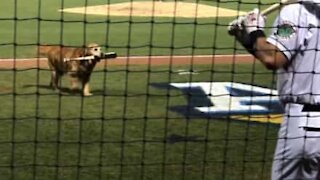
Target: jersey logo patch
point(286, 30)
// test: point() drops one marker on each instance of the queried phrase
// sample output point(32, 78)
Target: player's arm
point(269, 55)
point(249, 31)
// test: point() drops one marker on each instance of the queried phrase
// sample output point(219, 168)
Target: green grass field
point(124, 131)
point(21, 28)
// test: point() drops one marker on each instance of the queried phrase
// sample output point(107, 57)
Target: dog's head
point(94, 50)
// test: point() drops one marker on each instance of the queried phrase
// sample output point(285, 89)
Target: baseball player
point(293, 49)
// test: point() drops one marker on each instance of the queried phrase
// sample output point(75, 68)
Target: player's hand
point(254, 21)
point(250, 22)
point(237, 29)
point(243, 27)
point(236, 26)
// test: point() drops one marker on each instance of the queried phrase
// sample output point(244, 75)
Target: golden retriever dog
point(78, 70)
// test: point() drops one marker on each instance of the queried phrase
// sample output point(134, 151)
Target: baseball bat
point(265, 12)
point(277, 6)
point(109, 55)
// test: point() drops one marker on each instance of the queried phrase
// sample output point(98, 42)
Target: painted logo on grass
point(222, 99)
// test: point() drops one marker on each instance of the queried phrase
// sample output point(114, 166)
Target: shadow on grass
point(62, 90)
point(69, 92)
point(175, 138)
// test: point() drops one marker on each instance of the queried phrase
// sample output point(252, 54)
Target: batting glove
point(248, 28)
point(237, 29)
point(235, 26)
point(254, 21)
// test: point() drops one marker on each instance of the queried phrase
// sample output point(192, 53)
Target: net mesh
point(150, 113)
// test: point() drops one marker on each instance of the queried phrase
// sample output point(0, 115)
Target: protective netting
point(150, 115)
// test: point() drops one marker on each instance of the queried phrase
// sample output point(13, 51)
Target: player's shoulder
point(292, 9)
point(300, 9)
point(296, 13)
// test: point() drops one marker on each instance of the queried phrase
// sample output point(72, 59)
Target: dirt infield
point(156, 9)
point(137, 60)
